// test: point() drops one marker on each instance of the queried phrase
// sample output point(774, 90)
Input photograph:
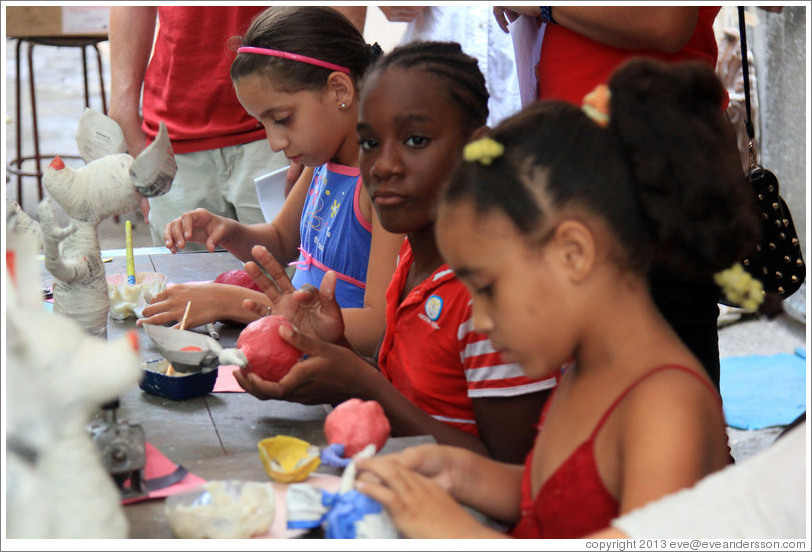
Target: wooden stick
point(185, 316)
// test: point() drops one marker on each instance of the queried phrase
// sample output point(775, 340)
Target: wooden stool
point(83, 42)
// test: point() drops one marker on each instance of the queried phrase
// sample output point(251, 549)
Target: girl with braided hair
point(434, 375)
point(552, 224)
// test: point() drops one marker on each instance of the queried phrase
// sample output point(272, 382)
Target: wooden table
point(214, 436)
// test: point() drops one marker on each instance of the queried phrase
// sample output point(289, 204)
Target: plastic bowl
point(222, 510)
point(129, 300)
point(288, 459)
point(177, 387)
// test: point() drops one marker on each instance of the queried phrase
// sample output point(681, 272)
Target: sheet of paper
point(158, 465)
point(98, 136)
point(271, 192)
point(85, 19)
point(527, 34)
point(155, 167)
point(226, 383)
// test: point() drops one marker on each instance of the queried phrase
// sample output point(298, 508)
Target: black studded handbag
point(777, 260)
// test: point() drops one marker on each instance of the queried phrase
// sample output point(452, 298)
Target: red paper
point(159, 465)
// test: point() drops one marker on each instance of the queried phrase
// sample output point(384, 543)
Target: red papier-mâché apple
point(269, 356)
point(237, 278)
point(355, 424)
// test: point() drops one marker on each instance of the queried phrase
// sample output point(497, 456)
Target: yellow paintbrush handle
point(128, 228)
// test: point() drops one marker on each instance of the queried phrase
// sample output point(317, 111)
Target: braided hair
point(447, 61)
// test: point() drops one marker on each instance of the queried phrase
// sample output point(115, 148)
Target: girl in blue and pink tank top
point(296, 72)
point(335, 234)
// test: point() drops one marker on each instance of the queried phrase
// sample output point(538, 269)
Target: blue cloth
point(763, 391)
point(347, 512)
point(348, 515)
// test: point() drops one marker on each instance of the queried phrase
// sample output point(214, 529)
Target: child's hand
point(198, 226)
point(331, 374)
point(419, 506)
point(210, 302)
point(313, 312)
point(435, 462)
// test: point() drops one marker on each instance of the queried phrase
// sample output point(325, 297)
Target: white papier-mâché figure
point(57, 376)
point(110, 184)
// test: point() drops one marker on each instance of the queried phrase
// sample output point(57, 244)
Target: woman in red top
point(552, 225)
point(581, 47)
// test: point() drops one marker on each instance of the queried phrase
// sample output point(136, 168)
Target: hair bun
point(375, 51)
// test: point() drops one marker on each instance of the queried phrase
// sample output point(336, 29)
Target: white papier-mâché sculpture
point(110, 184)
point(57, 376)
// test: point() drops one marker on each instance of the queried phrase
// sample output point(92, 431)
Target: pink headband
point(290, 55)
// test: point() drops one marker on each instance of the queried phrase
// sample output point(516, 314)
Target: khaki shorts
point(220, 181)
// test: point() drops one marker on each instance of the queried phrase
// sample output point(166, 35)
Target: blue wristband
point(547, 14)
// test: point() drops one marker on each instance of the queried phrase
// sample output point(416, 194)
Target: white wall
point(379, 29)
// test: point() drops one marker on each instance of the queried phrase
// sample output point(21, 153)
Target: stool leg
point(84, 74)
point(18, 126)
point(101, 79)
point(34, 117)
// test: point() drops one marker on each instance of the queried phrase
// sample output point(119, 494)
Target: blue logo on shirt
point(434, 307)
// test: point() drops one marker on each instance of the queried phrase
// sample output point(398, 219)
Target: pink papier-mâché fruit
point(269, 356)
point(355, 424)
point(237, 278)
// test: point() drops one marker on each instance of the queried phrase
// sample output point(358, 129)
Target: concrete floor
point(60, 104)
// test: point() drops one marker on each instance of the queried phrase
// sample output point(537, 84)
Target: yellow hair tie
point(740, 287)
point(484, 150)
point(596, 105)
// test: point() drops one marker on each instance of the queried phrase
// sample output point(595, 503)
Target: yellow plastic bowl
point(288, 459)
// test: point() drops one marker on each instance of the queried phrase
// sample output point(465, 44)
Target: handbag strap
point(748, 121)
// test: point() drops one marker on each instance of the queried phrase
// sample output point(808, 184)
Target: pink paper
point(279, 527)
point(159, 465)
point(226, 382)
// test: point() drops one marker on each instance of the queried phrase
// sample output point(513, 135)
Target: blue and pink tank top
point(334, 234)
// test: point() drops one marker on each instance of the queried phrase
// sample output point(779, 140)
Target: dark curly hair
point(314, 31)
point(665, 174)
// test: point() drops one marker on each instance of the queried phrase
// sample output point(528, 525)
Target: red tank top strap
point(626, 391)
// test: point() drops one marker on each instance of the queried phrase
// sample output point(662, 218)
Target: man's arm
point(132, 29)
point(356, 14)
point(664, 28)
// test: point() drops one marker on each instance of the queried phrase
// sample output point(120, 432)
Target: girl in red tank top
point(552, 224)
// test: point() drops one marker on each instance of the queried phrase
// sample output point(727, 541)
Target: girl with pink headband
point(296, 71)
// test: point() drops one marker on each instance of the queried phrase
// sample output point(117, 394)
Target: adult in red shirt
point(186, 83)
point(580, 48)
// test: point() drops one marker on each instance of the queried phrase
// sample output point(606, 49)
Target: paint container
point(179, 385)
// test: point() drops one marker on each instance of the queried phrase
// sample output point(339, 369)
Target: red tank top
point(573, 502)
point(571, 65)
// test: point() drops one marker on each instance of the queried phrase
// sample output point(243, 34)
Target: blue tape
point(304, 524)
point(333, 456)
point(350, 509)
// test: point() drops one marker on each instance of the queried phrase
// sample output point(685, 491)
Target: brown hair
point(314, 31)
